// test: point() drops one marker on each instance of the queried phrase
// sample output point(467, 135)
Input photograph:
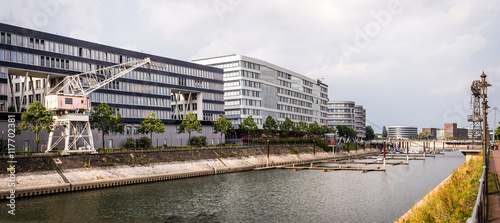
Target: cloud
point(416, 68)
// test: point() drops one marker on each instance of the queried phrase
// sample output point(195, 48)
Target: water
point(254, 196)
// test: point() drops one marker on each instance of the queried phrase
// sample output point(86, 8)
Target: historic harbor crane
point(69, 102)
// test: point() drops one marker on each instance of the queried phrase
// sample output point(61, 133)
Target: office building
point(451, 131)
point(402, 132)
point(347, 113)
point(261, 89)
point(31, 62)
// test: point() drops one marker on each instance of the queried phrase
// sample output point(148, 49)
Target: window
point(17, 87)
point(68, 101)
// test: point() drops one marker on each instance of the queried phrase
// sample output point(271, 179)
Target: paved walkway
point(494, 199)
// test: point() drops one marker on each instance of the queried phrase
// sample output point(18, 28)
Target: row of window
point(242, 73)
point(294, 101)
point(340, 110)
point(50, 46)
point(248, 102)
point(294, 117)
point(296, 94)
point(141, 113)
point(25, 58)
point(284, 75)
point(242, 92)
point(340, 105)
point(213, 96)
point(285, 83)
point(242, 111)
point(294, 109)
point(129, 100)
point(139, 88)
point(213, 107)
point(188, 107)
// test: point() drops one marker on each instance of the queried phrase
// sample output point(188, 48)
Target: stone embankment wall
point(53, 174)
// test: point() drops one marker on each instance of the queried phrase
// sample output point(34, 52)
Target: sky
point(407, 62)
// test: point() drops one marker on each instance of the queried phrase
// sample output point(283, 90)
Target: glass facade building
point(31, 62)
point(259, 88)
point(347, 113)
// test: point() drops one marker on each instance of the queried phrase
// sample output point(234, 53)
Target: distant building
point(452, 131)
point(402, 132)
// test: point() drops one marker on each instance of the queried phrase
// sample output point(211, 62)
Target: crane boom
point(72, 92)
point(85, 83)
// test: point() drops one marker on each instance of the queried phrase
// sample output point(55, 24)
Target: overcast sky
point(408, 63)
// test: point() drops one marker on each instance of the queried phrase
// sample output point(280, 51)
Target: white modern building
point(360, 121)
point(347, 113)
point(259, 88)
point(402, 132)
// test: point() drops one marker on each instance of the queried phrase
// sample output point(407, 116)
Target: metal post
point(268, 153)
point(384, 154)
point(314, 149)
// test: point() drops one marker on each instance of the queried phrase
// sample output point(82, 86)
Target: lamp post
point(486, 135)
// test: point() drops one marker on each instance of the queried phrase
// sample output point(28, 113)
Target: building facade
point(451, 131)
point(261, 89)
point(31, 62)
point(347, 113)
point(360, 121)
point(402, 132)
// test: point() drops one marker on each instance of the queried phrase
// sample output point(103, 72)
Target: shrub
point(145, 142)
point(294, 150)
point(322, 144)
point(198, 141)
point(129, 143)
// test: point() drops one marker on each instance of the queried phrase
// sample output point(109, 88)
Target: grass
point(454, 200)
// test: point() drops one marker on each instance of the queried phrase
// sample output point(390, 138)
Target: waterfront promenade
point(494, 193)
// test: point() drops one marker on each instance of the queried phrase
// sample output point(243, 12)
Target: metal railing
point(479, 211)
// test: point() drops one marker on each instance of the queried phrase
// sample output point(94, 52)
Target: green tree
point(313, 129)
point(286, 127)
point(424, 135)
point(103, 118)
point(324, 129)
point(224, 126)
point(370, 134)
point(151, 124)
point(248, 126)
point(270, 126)
point(345, 131)
point(497, 133)
point(190, 124)
point(36, 118)
point(384, 132)
point(300, 129)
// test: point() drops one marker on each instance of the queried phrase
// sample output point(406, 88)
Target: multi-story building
point(347, 113)
point(360, 121)
point(402, 132)
point(259, 88)
point(452, 131)
point(31, 62)
point(341, 113)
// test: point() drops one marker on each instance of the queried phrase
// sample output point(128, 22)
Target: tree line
point(105, 119)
